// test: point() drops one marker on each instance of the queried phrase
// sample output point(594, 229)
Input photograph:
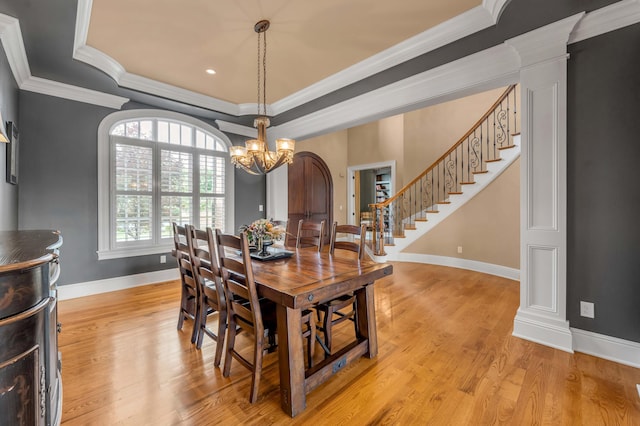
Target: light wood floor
point(446, 357)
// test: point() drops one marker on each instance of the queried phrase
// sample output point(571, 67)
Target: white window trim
point(105, 251)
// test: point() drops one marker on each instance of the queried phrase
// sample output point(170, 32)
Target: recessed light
point(210, 71)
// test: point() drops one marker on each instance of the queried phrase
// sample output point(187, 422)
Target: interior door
point(310, 193)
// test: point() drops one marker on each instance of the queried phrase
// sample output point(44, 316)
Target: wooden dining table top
point(309, 276)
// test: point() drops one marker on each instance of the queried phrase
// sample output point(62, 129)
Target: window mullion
point(157, 205)
point(195, 195)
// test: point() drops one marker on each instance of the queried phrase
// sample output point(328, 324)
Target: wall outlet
point(163, 259)
point(260, 208)
point(587, 310)
point(459, 249)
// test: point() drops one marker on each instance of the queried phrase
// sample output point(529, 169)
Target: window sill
point(132, 252)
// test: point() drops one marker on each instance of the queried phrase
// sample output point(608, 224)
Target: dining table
point(301, 281)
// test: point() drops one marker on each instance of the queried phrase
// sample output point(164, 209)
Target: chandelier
point(255, 157)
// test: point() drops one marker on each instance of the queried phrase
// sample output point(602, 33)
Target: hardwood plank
point(445, 356)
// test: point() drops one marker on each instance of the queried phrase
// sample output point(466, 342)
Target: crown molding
point(609, 18)
point(546, 42)
point(495, 8)
point(454, 29)
point(237, 129)
point(491, 68)
point(74, 93)
point(447, 32)
point(11, 37)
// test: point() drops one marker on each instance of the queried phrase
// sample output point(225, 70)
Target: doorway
point(310, 193)
point(368, 184)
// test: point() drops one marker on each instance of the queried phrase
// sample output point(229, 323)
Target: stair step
point(422, 220)
point(515, 134)
point(493, 161)
point(432, 211)
point(455, 193)
point(506, 147)
point(467, 183)
point(480, 172)
point(410, 228)
point(444, 202)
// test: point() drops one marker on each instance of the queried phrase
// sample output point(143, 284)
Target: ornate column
point(542, 316)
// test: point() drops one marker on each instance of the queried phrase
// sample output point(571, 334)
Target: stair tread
point(433, 211)
point(444, 202)
point(455, 193)
point(422, 220)
point(467, 183)
point(493, 161)
point(480, 172)
point(506, 147)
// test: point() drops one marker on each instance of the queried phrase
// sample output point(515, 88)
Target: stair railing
point(448, 174)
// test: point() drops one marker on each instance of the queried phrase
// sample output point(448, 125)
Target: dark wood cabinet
point(310, 192)
point(30, 387)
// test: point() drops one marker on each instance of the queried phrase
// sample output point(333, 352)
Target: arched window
point(155, 168)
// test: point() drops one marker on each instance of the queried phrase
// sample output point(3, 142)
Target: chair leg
point(326, 324)
point(222, 326)
point(311, 342)
point(183, 308)
point(258, 351)
point(196, 320)
point(202, 323)
point(231, 340)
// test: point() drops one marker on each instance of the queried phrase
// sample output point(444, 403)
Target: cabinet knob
point(59, 327)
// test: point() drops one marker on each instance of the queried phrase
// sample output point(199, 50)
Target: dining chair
point(342, 308)
point(189, 290)
point(247, 312)
point(211, 298)
point(310, 234)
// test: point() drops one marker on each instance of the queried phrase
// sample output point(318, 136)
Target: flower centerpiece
point(262, 232)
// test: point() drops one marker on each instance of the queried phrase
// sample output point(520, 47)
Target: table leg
point(291, 360)
point(367, 318)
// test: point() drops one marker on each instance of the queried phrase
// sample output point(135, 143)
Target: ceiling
point(308, 41)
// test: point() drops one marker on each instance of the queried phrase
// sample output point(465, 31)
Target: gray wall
point(250, 193)
point(58, 186)
point(603, 197)
point(9, 108)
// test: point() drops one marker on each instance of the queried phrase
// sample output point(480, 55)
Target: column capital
point(546, 42)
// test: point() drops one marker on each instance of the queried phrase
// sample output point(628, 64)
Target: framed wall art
point(12, 153)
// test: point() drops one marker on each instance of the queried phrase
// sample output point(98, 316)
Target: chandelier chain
point(264, 74)
point(258, 73)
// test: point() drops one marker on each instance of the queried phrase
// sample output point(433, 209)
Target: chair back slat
point(351, 245)
point(310, 234)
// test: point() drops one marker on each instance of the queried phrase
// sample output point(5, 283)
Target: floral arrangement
point(263, 229)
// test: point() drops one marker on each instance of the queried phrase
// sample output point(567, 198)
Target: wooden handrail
point(443, 156)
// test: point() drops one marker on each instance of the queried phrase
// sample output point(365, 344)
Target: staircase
point(476, 159)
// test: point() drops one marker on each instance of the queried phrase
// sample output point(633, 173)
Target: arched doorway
point(310, 193)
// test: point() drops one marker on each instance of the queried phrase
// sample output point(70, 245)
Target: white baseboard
point(607, 347)
point(546, 331)
point(72, 291)
point(472, 265)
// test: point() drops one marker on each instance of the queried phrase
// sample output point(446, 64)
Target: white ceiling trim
point(456, 28)
point(13, 44)
point(610, 18)
point(11, 37)
point(237, 129)
point(491, 68)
